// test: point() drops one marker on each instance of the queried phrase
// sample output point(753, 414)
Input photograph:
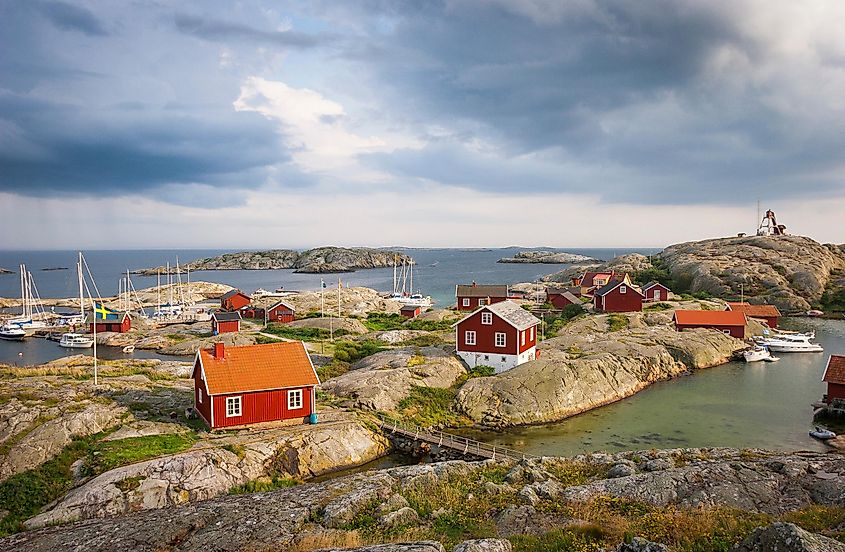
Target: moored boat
point(72, 340)
point(756, 354)
point(822, 433)
point(129, 349)
point(791, 343)
point(12, 332)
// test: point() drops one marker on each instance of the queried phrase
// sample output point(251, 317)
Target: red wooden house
point(502, 335)
point(767, 313)
point(121, 323)
point(234, 300)
point(591, 281)
point(834, 376)
point(561, 297)
point(225, 322)
point(728, 322)
point(236, 386)
point(281, 313)
point(470, 297)
point(410, 311)
point(655, 291)
point(618, 296)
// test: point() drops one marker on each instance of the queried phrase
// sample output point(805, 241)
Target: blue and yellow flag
point(102, 312)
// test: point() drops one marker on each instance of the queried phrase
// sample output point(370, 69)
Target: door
point(657, 295)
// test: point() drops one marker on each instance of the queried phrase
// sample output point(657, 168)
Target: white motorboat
point(791, 343)
point(72, 340)
point(822, 433)
point(756, 354)
point(12, 332)
point(129, 349)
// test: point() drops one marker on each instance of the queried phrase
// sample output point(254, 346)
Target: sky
point(456, 123)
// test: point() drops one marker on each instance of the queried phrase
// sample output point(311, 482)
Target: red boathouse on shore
point(225, 322)
point(237, 386)
point(767, 313)
point(234, 300)
point(121, 324)
point(728, 322)
point(281, 313)
point(834, 376)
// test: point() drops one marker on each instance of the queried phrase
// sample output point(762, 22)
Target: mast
point(411, 265)
point(188, 276)
point(158, 291)
point(128, 288)
point(395, 290)
point(79, 277)
point(23, 292)
point(169, 286)
point(179, 280)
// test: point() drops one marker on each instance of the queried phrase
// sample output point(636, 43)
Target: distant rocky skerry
point(321, 260)
point(4, 271)
point(547, 257)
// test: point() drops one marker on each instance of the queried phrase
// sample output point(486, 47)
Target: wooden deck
point(463, 445)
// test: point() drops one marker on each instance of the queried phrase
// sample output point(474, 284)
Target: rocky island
point(317, 261)
point(4, 271)
point(547, 257)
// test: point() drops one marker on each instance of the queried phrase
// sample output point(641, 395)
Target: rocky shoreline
point(547, 257)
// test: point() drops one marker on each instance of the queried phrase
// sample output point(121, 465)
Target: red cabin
point(121, 324)
point(834, 376)
point(502, 335)
point(591, 281)
point(281, 312)
point(237, 386)
point(728, 322)
point(234, 300)
point(225, 322)
point(410, 311)
point(618, 296)
point(470, 297)
point(561, 297)
point(767, 313)
point(655, 291)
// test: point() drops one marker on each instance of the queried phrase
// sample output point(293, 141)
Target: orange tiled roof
point(712, 318)
point(758, 311)
point(258, 368)
point(835, 371)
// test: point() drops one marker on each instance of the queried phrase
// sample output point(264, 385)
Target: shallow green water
point(741, 405)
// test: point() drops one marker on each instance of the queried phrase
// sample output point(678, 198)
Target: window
point(657, 295)
point(532, 334)
point(199, 396)
point(523, 336)
point(233, 407)
point(469, 337)
point(623, 289)
point(465, 302)
point(487, 318)
point(482, 302)
point(726, 332)
point(486, 357)
point(501, 339)
point(295, 399)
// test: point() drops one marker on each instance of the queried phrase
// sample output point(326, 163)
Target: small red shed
point(618, 296)
point(236, 386)
point(122, 323)
point(470, 297)
point(767, 313)
point(234, 300)
point(561, 297)
point(834, 376)
point(281, 312)
point(655, 291)
point(225, 322)
point(728, 322)
point(410, 311)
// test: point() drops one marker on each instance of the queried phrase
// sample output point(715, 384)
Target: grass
point(333, 370)
point(616, 322)
point(351, 351)
point(657, 306)
point(382, 321)
point(430, 406)
point(105, 369)
point(302, 334)
point(107, 455)
point(555, 323)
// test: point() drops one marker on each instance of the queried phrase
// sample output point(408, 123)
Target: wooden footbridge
point(457, 443)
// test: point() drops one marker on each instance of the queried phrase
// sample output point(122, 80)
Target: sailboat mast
point(23, 292)
point(411, 265)
point(169, 285)
point(158, 290)
point(79, 277)
point(128, 297)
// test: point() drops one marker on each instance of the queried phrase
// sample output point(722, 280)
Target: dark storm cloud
point(220, 31)
point(71, 18)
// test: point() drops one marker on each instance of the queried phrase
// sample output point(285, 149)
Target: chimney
point(219, 351)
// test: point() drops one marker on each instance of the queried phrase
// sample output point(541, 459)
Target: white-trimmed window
point(295, 399)
point(233, 407)
point(199, 395)
point(482, 302)
point(469, 337)
point(623, 289)
point(465, 302)
point(532, 334)
point(523, 336)
point(487, 318)
point(501, 339)
point(726, 332)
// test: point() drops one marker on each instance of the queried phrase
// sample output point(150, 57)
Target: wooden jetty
point(457, 443)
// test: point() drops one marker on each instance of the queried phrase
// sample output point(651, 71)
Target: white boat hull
point(756, 355)
point(811, 348)
point(76, 341)
point(8, 336)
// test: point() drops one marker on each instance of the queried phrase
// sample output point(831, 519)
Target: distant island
point(4, 271)
point(547, 257)
point(56, 268)
point(322, 260)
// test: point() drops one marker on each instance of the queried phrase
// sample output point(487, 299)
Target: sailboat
point(71, 340)
point(402, 295)
point(31, 305)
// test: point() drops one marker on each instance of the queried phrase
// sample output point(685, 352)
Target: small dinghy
point(129, 349)
point(822, 434)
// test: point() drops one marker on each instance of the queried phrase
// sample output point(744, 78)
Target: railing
point(458, 443)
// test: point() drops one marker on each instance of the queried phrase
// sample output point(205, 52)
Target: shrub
point(302, 334)
point(382, 321)
point(430, 406)
point(616, 322)
point(334, 369)
point(351, 351)
point(264, 485)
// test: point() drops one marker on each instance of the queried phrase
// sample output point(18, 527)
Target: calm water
point(436, 273)
point(35, 350)
point(741, 405)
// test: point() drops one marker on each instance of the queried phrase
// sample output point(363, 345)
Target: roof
point(410, 307)
point(231, 293)
point(563, 292)
point(281, 304)
point(835, 371)
point(258, 368)
point(755, 311)
point(652, 284)
point(120, 317)
point(493, 290)
point(709, 318)
point(508, 311)
point(222, 316)
point(613, 284)
point(588, 277)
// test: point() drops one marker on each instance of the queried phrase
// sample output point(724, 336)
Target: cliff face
point(788, 271)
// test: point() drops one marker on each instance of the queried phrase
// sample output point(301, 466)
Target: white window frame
point(483, 302)
point(465, 301)
point(623, 289)
point(469, 338)
point(532, 334)
point(656, 294)
point(504, 339)
point(295, 399)
point(487, 318)
point(726, 332)
point(199, 395)
point(231, 411)
point(523, 332)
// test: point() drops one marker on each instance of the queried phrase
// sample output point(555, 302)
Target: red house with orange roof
point(234, 300)
point(237, 386)
point(767, 313)
point(728, 322)
point(591, 281)
point(834, 376)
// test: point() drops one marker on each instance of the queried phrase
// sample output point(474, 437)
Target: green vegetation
point(659, 272)
point(616, 322)
point(430, 406)
point(264, 485)
point(237, 450)
point(425, 340)
point(302, 334)
point(481, 371)
point(107, 455)
point(833, 298)
point(656, 307)
point(554, 323)
point(351, 351)
point(381, 321)
point(334, 369)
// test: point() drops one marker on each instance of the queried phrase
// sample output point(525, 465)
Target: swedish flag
point(102, 312)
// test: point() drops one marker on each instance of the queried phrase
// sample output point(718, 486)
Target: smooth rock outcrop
point(787, 537)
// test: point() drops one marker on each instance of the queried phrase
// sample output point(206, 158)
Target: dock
point(463, 446)
point(824, 408)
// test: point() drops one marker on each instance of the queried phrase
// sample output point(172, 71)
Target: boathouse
point(410, 311)
point(502, 335)
point(767, 313)
point(237, 386)
point(225, 322)
point(834, 376)
point(618, 296)
point(560, 297)
point(281, 313)
point(114, 322)
point(234, 300)
point(470, 297)
point(728, 322)
point(655, 291)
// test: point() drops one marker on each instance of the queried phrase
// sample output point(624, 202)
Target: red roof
point(709, 318)
point(258, 368)
point(835, 371)
point(755, 311)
